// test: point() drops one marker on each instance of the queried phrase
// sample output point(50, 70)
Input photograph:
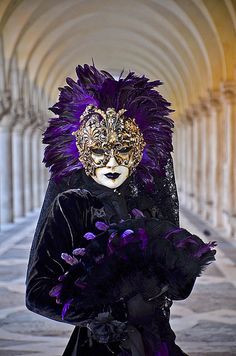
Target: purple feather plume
point(136, 94)
point(66, 308)
point(137, 213)
point(127, 233)
point(100, 225)
point(205, 248)
point(89, 236)
point(56, 291)
point(80, 251)
point(71, 260)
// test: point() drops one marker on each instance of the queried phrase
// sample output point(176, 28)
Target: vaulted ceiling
point(189, 44)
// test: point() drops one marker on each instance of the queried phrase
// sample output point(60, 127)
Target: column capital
point(228, 89)
point(189, 116)
point(196, 111)
point(20, 108)
point(18, 112)
point(205, 105)
point(216, 99)
point(30, 114)
point(5, 103)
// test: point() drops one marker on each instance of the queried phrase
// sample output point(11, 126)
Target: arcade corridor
point(190, 45)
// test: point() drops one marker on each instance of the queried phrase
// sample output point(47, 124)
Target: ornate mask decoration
point(108, 139)
point(112, 137)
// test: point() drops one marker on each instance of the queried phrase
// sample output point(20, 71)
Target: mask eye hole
point(98, 151)
point(125, 150)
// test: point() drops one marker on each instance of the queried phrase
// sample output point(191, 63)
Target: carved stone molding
point(205, 106)
point(20, 108)
point(216, 99)
point(189, 116)
point(228, 90)
point(5, 103)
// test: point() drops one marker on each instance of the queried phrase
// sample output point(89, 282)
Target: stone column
point(178, 155)
point(202, 161)
point(207, 164)
point(195, 158)
point(182, 162)
point(203, 155)
point(229, 158)
point(198, 141)
point(27, 169)
point(216, 183)
point(189, 159)
point(186, 163)
point(28, 157)
point(3, 81)
point(35, 166)
point(18, 162)
point(6, 194)
point(6, 183)
point(43, 172)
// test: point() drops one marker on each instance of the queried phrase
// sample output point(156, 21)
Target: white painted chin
point(101, 178)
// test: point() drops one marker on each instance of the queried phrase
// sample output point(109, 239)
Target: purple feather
point(80, 283)
point(66, 308)
point(204, 248)
point(62, 277)
point(137, 213)
point(127, 233)
point(89, 236)
point(71, 260)
point(80, 251)
point(100, 225)
point(112, 235)
point(136, 94)
point(185, 242)
point(128, 237)
point(56, 290)
point(110, 248)
point(172, 231)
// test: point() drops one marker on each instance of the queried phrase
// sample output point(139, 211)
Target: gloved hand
point(151, 288)
point(139, 311)
point(143, 294)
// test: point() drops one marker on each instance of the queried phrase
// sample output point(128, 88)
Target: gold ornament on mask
point(103, 135)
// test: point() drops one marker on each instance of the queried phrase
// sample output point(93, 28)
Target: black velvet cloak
point(172, 267)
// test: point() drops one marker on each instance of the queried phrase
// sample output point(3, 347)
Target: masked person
point(108, 254)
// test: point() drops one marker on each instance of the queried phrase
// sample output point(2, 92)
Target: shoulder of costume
point(73, 193)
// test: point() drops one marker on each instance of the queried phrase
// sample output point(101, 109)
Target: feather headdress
point(133, 93)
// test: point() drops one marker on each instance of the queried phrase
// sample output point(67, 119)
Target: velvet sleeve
point(60, 233)
point(52, 191)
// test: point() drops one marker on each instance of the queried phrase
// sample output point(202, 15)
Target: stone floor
point(205, 323)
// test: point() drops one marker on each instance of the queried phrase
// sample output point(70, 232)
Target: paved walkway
point(205, 323)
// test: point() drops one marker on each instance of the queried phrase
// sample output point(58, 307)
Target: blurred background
point(190, 45)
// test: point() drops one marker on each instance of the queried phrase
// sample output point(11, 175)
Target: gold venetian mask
point(103, 135)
